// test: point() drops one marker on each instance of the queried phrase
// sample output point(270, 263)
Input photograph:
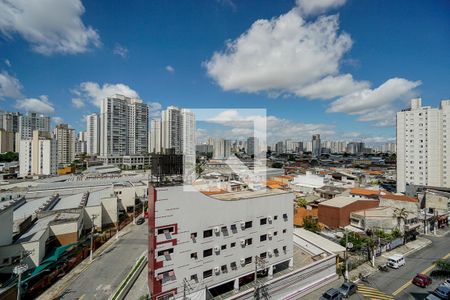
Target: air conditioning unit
point(242, 261)
point(269, 235)
point(269, 253)
point(242, 224)
point(269, 218)
point(216, 270)
point(217, 249)
point(242, 242)
point(217, 229)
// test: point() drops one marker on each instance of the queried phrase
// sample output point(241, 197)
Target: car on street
point(446, 282)
point(432, 297)
point(396, 261)
point(443, 292)
point(140, 221)
point(347, 289)
point(422, 280)
point(331, 294)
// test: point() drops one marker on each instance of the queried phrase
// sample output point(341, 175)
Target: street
point(106, 272)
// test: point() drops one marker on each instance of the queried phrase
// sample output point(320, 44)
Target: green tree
point(301, 202)
point(311, 224)
point(9, 157)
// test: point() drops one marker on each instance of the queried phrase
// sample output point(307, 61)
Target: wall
point(193, 212)
point(335, 217)
point(301, 212)
point(441, 203)
point(6, 225)
point(65, 233)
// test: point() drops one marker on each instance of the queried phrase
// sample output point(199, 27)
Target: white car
point(396, 261)
point(446, 282)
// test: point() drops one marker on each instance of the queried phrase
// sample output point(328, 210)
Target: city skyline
point(131, 63)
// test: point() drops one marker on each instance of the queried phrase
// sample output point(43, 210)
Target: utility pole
point(346, 255)
point(21, 268)
point(92, 235)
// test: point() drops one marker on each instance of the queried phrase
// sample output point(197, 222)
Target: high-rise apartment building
point(65, 141)
point(81, 143)
point(38, 155)
point(253, 146)
point(155, 136)
point(93, 134)
point(30, 122)
point(6, 141)
point(423, 145)
point(316, 146)
point(221, 149)
point(123, 126)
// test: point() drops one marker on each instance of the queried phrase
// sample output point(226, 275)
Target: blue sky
point(340, 68)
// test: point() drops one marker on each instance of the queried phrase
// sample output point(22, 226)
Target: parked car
point(396, 261)
point(446, 282)
point(443, 292)
point(347, 289)
point(422, 280)
point(331, 294)
point(432, 297)
point(140, 221)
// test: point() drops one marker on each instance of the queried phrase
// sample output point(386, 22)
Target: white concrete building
point(212, 241)
point(81, 143)
point(155, 136)
point(308, 182)
point(65, 144)
point(423, 145)
point(93, 134)
point(221, 149)
point(31, 122)
point(38, 156)
point(123, 126)
point(316, 145)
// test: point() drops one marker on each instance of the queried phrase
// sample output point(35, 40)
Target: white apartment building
point(221, 149)
point(31, 122)
point(93, 134)
point(123, 126)
point(81, 143)
point(155, 136)
point(212, 241)
point(38, 156)
point(423, 145)
point(65, 141)
point(253, 146)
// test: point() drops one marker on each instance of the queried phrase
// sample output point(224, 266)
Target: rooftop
point(248, 194)
point(95, 198)
point(29, 208)
point(319, 241)
point(378, 212)
point(399, 197)
point(72, 201)
point(340, 201)
point(365, 192)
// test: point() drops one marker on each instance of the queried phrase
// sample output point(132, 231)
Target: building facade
point(155, 136)
point(423, 145)
point(123, 126)
point(192, 240)
point(38, 155)
point(32, 121)
point(65, 144)
point(316, 146)
point(93, 134)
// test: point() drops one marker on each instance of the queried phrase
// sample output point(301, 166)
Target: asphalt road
point(395, 282)
point(107, 271)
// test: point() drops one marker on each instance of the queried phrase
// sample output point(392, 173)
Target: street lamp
point(18, 270)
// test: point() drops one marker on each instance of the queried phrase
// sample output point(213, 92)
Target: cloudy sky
point(337, 67)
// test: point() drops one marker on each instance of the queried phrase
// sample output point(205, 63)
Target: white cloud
point(10, 86)
point(7, 62)
point(315, 7)
point(94, 93)
point(154, 110)
point(121, 51)
point(57, 120)
point(170, 69)
point(286, 54)
point(39, 105)
point(229, 3)
point(50, 26)
point(77, 102)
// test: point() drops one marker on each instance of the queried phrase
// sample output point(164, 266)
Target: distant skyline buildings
point(93, 134)
point(65, 144)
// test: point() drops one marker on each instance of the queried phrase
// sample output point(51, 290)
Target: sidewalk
point(61, 285)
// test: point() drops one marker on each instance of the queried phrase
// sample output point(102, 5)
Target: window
point(248, 260)
point(233, 227)
point(233, 265)
point(284, 249)
point(275, 233)
point(248, 224)
point(263, 237)
point(194, 277)
point(207, 252)
point(232, 245)
point(207, 274)
point(165, 252)
point(284, 230)
point(248, 242)
point(263, 255)
point(194, 255)
point(166, 230)
point(194, 235)
point(224, 269)
point(207, 233)
point(223, 247)
point(285, 216)
point(263, 221)
point(275, 217)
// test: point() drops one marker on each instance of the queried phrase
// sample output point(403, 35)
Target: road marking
point(373, 293)
point(400, 289)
